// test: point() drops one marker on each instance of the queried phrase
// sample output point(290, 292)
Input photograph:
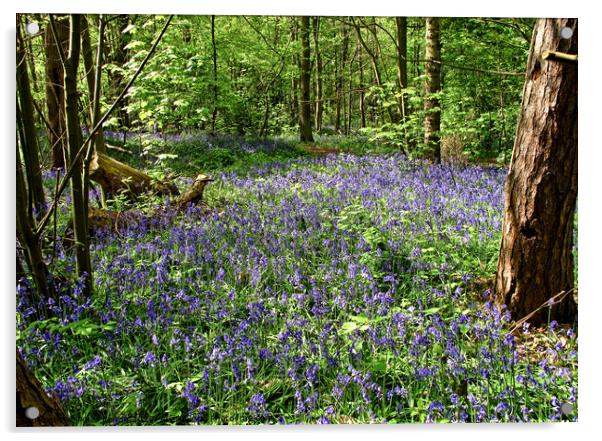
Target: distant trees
point(536, 254)
point(357, 68)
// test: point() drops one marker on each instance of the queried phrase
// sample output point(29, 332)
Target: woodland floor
point(325, 288)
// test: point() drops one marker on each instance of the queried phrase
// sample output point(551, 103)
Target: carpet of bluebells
point(337, 289)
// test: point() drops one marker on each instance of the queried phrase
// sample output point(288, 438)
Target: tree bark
point(536, 253)
point(93, 77)
point(79, 205)
point(294, 98)
point(25, 233)
point(340, 81)
point(55, 92)
point(402, 62)
point(214, 84)
point(432, 118)
point(362, 100)
point(30, 147)
point(118, 55)
point(31, 394)
point(318, 79)
point(305, 130)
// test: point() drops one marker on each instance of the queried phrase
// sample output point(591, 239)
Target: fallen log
point(194, 195)
point(118, 221)
point(115, 178)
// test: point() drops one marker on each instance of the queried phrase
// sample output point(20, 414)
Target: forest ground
point(341, 283)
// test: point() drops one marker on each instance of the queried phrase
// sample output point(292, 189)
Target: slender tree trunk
point(348, 100)
point(55, 92)
point(119, 56)
point(374, 60)
point(31, 150)
point(341, 79)
point(31, 395)
point(93, 77)
point(432, 118)
point(536, 254)
point(74, 141)
point(25, 233)
point(318, 77)
point(305, 80)
point(360, 59)
point(294, 98)
point(402, 62)
point(214, 85)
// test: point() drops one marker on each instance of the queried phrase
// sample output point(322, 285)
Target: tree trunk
point(294, 90)
point(305, 80)
point(31, 151)
point(118, 56)
point(432, 118)
point(28, 240)
point(318, 79)
point(402, 62)
point(340, 81)
point(93, 77)
point(374, 60)
point(362, 101)
point(79, 205)
point(32, 397)
point(55, 92)
point(214, 84)
point(536, 254)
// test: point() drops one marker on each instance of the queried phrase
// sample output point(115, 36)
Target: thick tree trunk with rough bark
point(33, 400)
point(432, 118)
point(305, 80)
point(536, 254)
point(55, 90)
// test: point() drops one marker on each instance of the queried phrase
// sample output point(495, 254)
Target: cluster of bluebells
point(332, 292)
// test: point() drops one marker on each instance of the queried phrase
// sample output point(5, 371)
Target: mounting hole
point(566, 33)
point(32, 412)
point(566, 409)
point(32, 28)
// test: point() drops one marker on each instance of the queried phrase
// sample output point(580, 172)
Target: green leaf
point(349, 327)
